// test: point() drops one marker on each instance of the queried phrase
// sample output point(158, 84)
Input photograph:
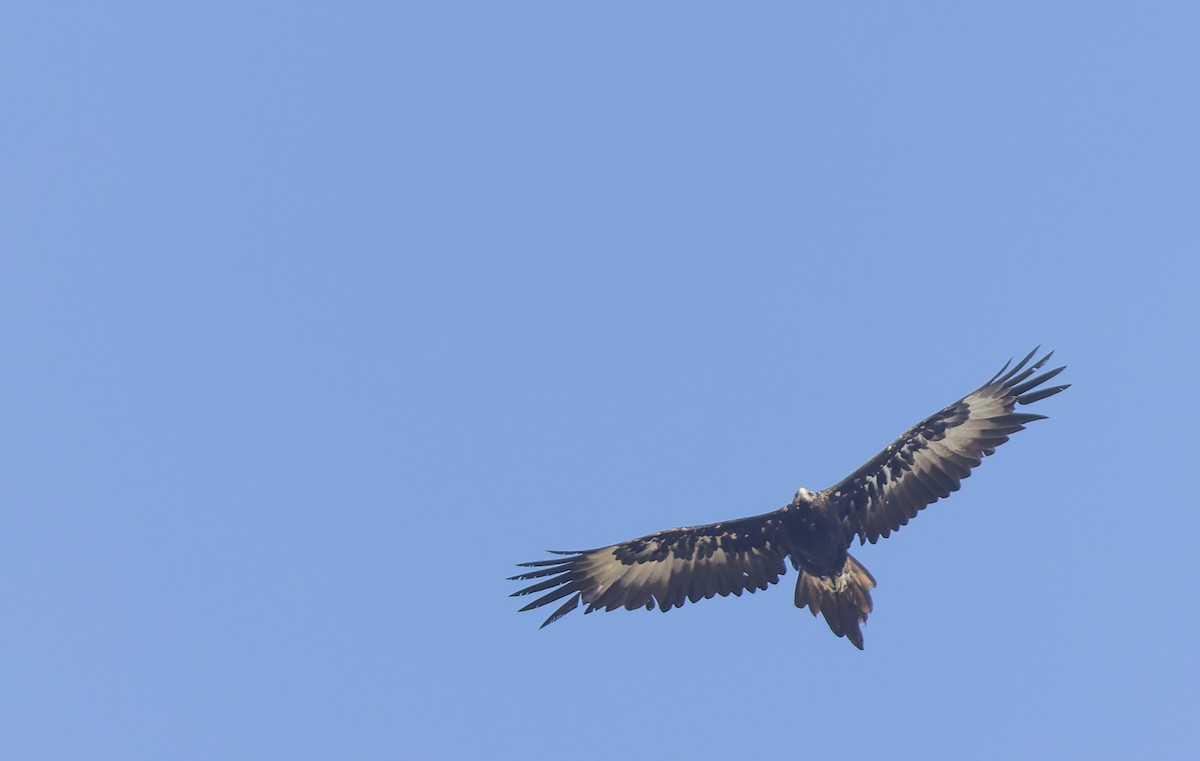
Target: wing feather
point(932, 458)
point(664, 569)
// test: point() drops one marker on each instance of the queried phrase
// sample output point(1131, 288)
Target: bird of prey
point(813, 531)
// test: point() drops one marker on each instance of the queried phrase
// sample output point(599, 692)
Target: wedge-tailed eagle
point(813, 531)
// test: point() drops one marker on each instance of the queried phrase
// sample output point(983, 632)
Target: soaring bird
point(814, 531)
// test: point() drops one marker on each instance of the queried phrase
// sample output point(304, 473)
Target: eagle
point(814, 531)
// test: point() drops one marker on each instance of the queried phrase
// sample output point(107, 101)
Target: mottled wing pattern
point(930, 460)
point(664, 569)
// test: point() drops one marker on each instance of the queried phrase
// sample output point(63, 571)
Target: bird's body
point(813, 532)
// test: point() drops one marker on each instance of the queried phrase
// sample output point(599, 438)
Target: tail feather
point(845, 599)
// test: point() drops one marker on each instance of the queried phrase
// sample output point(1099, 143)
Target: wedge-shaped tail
point(845, 599)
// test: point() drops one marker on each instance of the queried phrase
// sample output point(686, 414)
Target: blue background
point(317, 317)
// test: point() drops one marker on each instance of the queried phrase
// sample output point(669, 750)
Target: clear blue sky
point(315, 318)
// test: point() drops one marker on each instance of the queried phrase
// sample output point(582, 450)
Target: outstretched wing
point(663, 569)
point(930, 460)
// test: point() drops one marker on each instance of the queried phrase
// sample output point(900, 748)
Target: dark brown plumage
point(813, 531)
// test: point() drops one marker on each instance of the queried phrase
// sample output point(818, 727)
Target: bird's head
point(803, 496)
